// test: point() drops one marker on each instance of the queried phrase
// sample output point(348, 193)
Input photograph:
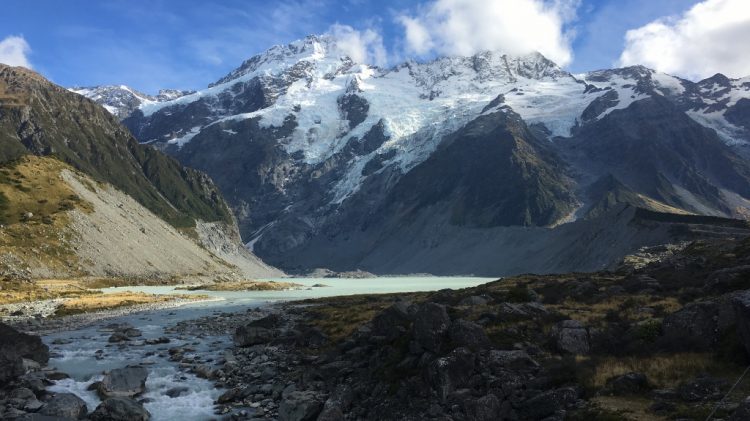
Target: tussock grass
point(98, 302)
point(663, 371)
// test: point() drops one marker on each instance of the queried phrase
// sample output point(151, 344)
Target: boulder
point(431, 321)
point(570, 337)
point(177, 391)
point(65, 405)
point(123, 382)
point(515, 359)
point(252, 335)
point(704, 388)
point(311, 337)
point(628, 384)
point(120, 409)
point(392, 322)
point(300, 406)
point(474, 300)
point(463, 333)
point(486, 408)
point(14, 347)
point(548, 403)
point(449, 373)
point(694, 327)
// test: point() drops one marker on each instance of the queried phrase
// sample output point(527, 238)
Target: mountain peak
point(319, 49)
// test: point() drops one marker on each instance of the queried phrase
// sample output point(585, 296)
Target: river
point(85, 353)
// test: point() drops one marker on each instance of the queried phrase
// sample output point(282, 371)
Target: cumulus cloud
point(14, 51)
point(361, 46)
point(466, 27)
point(709, 38)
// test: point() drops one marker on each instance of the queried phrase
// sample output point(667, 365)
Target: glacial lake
point(78, 358)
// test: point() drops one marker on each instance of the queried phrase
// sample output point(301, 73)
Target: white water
point(78, 358)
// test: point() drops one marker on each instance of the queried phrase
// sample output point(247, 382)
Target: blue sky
point(189, 43)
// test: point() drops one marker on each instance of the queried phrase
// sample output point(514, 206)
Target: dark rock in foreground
point(123, 382)
point(120, 409)
point(14, 348)
point(65, 405)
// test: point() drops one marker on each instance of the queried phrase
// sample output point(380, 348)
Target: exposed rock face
point(570, 336)
point(300, 406)
point(120, 409)
point(123, 382)
point(16, 346)
point(65, 405)
point(629, 383)
point(431, 322)
point(257, 332)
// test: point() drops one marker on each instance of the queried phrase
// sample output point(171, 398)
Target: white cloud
point(14, 51)
point(361, 46)
point(466, 27)
point(712, 37)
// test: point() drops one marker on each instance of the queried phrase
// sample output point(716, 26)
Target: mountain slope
point(327, 162)
point(658, 151)
point(130, 190)
point(44, 119)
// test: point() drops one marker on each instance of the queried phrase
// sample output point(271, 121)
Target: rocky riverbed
point(664, 341)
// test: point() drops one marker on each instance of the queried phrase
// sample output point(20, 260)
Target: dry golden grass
point(98, 302)
point(243, 286)
point(14, 291)
point(339, 317)
point(628, 408)
point(627, 306)
point(34, 201)
point(663, 371)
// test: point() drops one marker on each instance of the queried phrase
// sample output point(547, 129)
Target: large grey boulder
point(120, 409)
point(570, 337)
point(123, 382)
point(300, 406)
point(463, 333)
point(694, 327)
point(258, 332)
point(628, 384)
point(65, 405)
point(431, 321)
point(449, 373)
point(252, 335)
point(392, 322)
point(548, 403)
point(14, 347)
point(486, 408)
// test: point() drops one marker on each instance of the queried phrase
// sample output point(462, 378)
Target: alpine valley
point(488, 165)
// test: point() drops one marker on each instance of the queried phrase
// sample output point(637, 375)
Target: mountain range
point(490, 164)
point(80, 196)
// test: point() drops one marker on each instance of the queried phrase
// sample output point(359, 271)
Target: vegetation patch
point(99, 302)
point(34, 201)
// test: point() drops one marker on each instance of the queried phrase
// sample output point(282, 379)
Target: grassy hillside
point(40, 118)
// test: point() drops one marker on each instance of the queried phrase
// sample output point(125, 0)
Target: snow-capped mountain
point(122, 100)
point(321, 156)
